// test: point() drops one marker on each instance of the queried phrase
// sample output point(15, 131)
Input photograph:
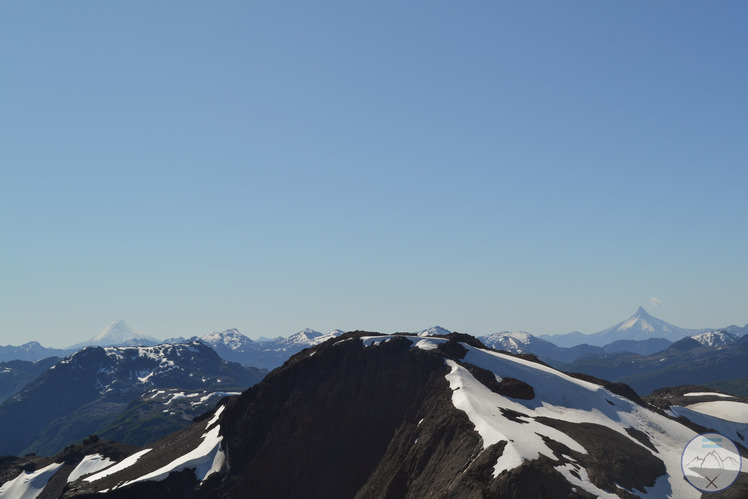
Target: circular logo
point(710, 462)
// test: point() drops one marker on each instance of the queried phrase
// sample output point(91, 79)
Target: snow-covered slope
point(560, 397)
point(515, 342)
point(233, 346)
point(434, 331)
point(230, 339)
point(715, 339)
point(303, 339)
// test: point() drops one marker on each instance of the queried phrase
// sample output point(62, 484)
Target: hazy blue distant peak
point(119, 333)
point(265, 339)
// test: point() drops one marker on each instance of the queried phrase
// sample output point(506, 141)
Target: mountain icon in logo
point(711, 462)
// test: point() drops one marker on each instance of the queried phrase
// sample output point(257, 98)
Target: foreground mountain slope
point(403, 416)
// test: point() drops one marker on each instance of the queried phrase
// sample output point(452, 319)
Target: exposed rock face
point(304, 425)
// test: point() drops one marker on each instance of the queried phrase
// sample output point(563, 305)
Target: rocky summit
point(403, 416)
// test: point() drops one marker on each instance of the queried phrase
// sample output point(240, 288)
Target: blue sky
point(271, 166)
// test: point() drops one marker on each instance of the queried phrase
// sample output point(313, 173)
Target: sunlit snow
point(206, 459)
point(558, 396)
point(703, 394)
point(89, 464)
point(125, 463)
point(736, 412)
point(28, 485)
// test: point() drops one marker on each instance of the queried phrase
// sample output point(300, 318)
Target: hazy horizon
point(544, 166)
point(256, 336)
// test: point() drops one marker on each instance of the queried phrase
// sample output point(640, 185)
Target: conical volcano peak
point(641, 312)
point(118, 329)
point(119, 333)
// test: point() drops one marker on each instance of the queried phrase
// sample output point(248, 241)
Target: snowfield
point(125, 463)
point(28, 485)
point(737, 412)
point(704, 394)
point(483, 408)
point(89, 464)
point(206, 459)
point(713, 421)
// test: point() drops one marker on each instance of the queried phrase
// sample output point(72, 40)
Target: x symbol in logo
point(711, 481)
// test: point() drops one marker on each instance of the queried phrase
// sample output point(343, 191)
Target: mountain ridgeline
point(365, 415)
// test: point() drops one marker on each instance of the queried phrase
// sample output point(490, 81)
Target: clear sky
point(270, 166)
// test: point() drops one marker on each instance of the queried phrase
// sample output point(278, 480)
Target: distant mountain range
point(31, 351)
point(711, 357)
point(521, 342)
point(641, 333)
point(715, 357)
point(269, 354)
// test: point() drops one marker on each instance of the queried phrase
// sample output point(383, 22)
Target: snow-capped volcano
point(640, 326)
point(119, 333)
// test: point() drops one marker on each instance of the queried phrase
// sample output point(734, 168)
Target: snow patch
point(215, 417)
point(29, 485)
point(369, 341)
point(736, 412)
point(703, 394)
point(427, 345)
point(89, 464)
point(207, 397)
point(583, 482)
point(483, 407)
point(206, 459)
point(125, 463)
